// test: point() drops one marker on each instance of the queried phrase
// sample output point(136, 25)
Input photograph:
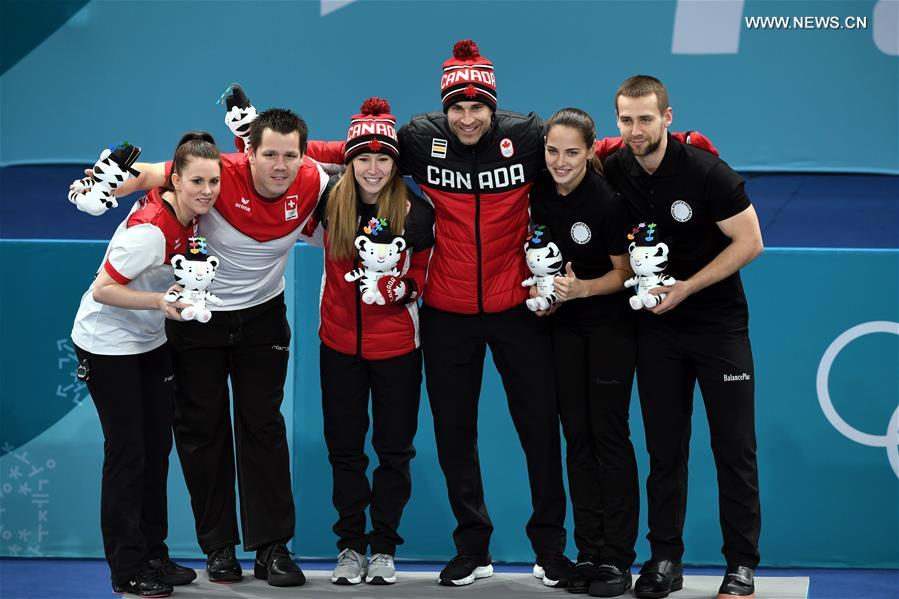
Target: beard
point(649, 149)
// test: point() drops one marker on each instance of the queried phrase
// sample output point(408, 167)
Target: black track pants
point(454, 347)
point(395, 388)
point(595, 373)
point(671, 359)
point(133, 395)
point(251, 346)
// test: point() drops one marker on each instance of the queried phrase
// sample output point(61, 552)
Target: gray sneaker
point(381, 569)
point(351, 568)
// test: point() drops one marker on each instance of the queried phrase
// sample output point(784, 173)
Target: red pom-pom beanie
point(374, 130)
point(467, 76)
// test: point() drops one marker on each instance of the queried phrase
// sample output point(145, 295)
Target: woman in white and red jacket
point(371, 348)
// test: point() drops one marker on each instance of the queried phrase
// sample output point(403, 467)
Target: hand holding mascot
point(194, 271)
point(647, 261)
point(94, 194)
point(544, 259)
point(379, 252)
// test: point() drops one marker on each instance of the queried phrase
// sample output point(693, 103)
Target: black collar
point(667, 167)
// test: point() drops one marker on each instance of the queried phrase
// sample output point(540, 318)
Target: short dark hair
point(643, 85)
point(193, 144)
point(279, 120)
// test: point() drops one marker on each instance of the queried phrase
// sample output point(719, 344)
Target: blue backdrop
point(827, 498)
point(772, 99)
point(78, 75)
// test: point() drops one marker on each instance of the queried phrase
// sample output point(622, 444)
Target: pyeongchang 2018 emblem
point(890, 439)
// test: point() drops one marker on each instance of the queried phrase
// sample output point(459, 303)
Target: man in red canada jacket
point(476, 164)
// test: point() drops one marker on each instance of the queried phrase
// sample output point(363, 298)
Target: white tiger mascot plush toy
point(240, 113)
point(544, 258)
point(194, 271)
point(379, 251)
point(94, 194)
point(647, 261)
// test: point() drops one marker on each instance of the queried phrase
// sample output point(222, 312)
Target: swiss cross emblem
point(290, 208)
point(375, 145)
point(470, 91)
point(506, 148)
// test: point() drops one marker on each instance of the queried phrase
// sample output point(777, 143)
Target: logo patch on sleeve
point(438, 148)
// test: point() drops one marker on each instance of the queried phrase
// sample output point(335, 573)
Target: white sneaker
point(351, 568)
point(381, 569)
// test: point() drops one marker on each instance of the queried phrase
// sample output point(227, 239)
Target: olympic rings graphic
point(890, 439)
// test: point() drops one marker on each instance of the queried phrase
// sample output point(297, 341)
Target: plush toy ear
point(177, 261)
point(661, 250)
point(360, 242)
point(630, 248)
point(400, 244)
point(553, 249)
point(213, 261)
point(525, 248)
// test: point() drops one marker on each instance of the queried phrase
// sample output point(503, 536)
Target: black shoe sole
point(745, 592)
point(676, 585)
point(224, 578)
point(577, 589)
point(609, 590)
point(294, 579)
point(378, 581)
point(117, 590)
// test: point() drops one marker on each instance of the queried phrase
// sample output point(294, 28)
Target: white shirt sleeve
point(134, 250)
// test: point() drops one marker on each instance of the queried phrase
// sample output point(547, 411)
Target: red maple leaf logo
point(506, 143)
point(375, 145)
point(470, 91)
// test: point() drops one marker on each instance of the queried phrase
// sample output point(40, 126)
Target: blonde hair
point(343, 217)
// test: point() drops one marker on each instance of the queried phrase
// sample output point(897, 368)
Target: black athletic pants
point(395, 387)
point(251, 346)
point(595, 374)
point(671, 359)
point(454, 347)
point(133, 395)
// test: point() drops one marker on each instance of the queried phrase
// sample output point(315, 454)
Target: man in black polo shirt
point(700, 331)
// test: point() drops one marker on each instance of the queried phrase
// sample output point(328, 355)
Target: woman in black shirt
point(594, 343)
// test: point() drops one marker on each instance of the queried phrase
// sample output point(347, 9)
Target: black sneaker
point(554, 569)
point(172, 573)
point(464, 569)
point(145, 583)
point(274, 565)
point(584, 573)
point(222, 566)
point(739, 581)
point(610, 581)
